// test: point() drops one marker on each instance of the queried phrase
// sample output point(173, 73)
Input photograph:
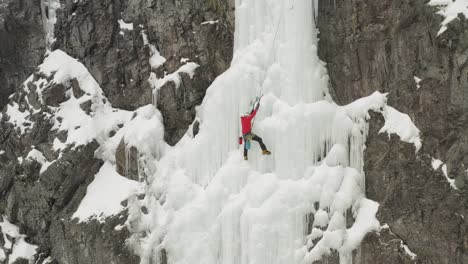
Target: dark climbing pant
point(252, 136)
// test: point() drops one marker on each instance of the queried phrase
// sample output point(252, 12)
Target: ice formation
point(49, 17)
point(306, 200)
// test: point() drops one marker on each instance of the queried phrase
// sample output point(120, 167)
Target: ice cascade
point(206, 204)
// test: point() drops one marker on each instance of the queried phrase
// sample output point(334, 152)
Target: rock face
point(116, 41)
point(384, 45)
point(41, 188)
point(22, 43)
point(118, 58)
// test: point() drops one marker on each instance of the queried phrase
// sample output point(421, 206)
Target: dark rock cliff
point(22, 43)
point(41, 199)
point(383, 45)
point(119, 59)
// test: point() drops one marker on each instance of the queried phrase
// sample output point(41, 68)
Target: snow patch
point(125, 26)
point(449, 180)
point(19, 247)
point(438, 164)
point(36, 155)
point(450, 10)
point(408, 251)
point(175, 77)
point(156, 60)
point(417, 80)
point(211, 22)
point(148, 138)
point(401, 125)
point(18, 118)
point(395, 122)
point(104, 195)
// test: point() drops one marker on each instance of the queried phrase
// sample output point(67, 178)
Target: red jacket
point(246, 122)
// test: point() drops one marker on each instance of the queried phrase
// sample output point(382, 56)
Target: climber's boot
point(266, 152)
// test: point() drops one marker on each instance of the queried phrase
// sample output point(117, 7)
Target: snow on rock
point(438, 164)
point(86, 117)
point(18, 245)
point(210, 22)
point(401, 124)
point(105, 194)
point(125, 26)
point(82, 127)
point(450, 10)
point(144, 130)
point(408, 252)
point(450, 181)
point(18, 118)
point(156, 60)
point(36, 155)
point(395, 122)
point(175, 77)
point(65, 68)
point(417, 80)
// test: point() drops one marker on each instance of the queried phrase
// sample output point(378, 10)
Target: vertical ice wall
point(49, 18)
point(275, 55)
point(206, 204)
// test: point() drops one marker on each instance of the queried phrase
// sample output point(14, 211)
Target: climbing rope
point(274, 42)
point(272, 48)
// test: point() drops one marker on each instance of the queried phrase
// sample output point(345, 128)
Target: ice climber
point(247, 134)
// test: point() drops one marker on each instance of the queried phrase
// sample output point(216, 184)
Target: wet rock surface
point(384, 45)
